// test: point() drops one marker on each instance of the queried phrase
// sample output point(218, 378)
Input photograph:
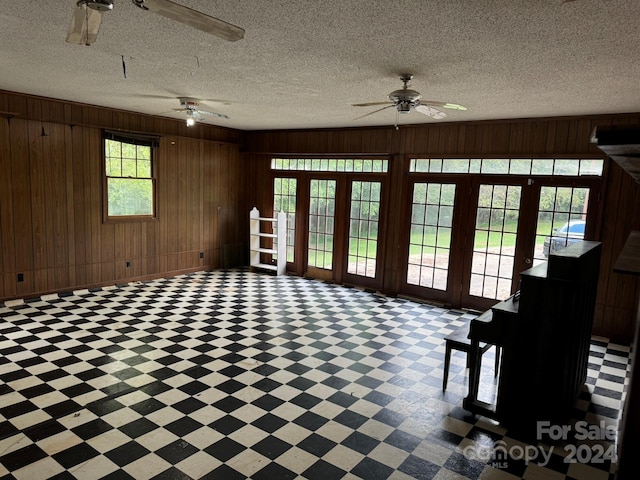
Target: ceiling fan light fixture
point(98, 5)
point(404, 107)
point(190, 120)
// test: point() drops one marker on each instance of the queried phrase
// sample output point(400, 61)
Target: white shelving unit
point(257, 233)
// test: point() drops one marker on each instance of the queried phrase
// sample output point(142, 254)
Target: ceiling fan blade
point(216, 114)
point(451, 106)
point(193, 18)
point(370, 104)
point(431, 112)
point(375, 111)
point(84, 26)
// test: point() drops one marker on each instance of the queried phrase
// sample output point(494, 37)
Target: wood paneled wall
point(570, 136)
point(51, 228)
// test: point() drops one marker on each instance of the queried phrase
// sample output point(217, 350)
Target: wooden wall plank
point(69, 205)
point(79, 210)
point(58, 203)
point(172, 206)
point(182, 231)
point(7, 234)
point(38, 202)
point(21, 189)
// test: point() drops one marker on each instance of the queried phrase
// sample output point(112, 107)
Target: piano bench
point(459, 340)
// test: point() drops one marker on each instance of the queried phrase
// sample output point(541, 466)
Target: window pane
point(455, 165)
point(284, 199)
point(497, 166)
point(144, 169)
point(591, 167)
point(113, 167)
point(130, 196)
point(561, 219)
point(520, 166)
point(129, 168)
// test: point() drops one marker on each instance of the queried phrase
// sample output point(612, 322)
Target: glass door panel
point(430, 235)
point(284, 199)
point(322, 206)
point(494, 244)
point(363, 228)
point(562, 218)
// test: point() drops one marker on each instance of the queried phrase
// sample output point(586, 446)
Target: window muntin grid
point(322, 207)
point(365, 165)
point(363, 228)
point(562, 215)
point(284, 199)
point(494, 243)
point(430, 237)
point(510, 166)
point(129, 178)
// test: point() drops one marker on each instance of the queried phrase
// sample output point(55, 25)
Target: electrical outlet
point(201, 254)
point(128, 263)
point(21, 277)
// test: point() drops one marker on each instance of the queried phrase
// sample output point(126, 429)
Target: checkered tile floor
point(234, 375)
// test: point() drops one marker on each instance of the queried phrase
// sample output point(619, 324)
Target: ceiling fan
point(191, 107)
point(87, 17)
point(405, 99)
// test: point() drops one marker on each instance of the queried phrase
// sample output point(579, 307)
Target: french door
point(469, 238)
point(435, 227)
point(498, 244)
point(342, 242)
point(321, 228)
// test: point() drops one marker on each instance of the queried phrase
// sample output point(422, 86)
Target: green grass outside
point(495, 239)
point(362, 248)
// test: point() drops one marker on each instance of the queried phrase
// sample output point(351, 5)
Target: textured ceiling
point(303, 63)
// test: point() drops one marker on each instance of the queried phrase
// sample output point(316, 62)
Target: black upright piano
point(544, 331)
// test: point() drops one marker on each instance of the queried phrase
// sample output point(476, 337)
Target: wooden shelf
point(266, 266)
point(265, 250)
point(263, 243)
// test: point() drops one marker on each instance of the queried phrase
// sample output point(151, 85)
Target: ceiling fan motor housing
point(405, 99)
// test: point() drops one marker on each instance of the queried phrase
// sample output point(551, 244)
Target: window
point(129, 176)
point(562, 218)
point(330, 164)
point(510, 166)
